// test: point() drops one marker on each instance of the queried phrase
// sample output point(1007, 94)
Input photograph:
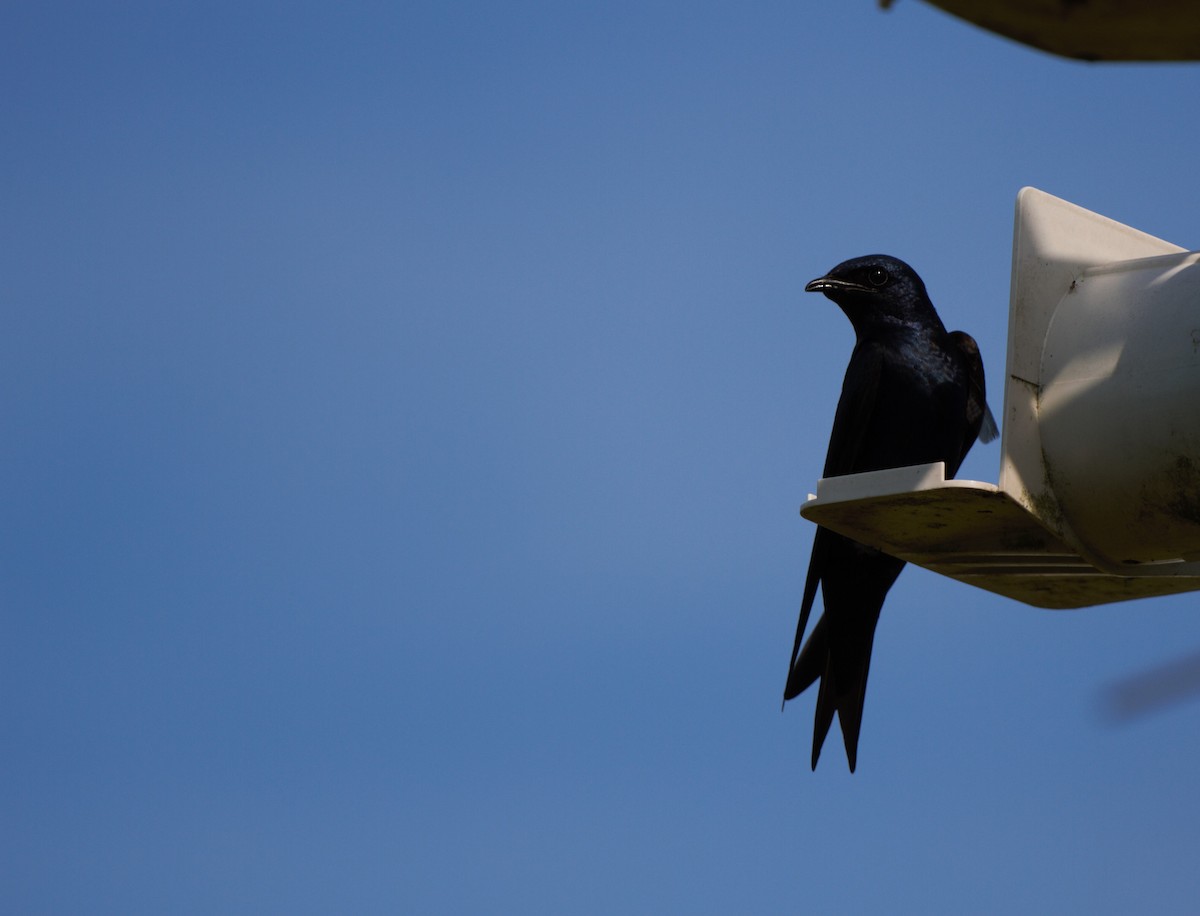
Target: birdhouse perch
point(1099, 488)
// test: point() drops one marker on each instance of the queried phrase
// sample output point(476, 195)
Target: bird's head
point(878, 290)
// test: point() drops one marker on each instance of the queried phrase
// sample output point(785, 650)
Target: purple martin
point(913, 394)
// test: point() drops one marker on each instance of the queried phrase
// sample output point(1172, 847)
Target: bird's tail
point(813, 662)
point(843, 690)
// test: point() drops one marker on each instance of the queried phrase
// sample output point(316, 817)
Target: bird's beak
point(833, 285)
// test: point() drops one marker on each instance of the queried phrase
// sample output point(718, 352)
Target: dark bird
point(913, 394)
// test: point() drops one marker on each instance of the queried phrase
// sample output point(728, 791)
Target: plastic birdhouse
point(1098, 497)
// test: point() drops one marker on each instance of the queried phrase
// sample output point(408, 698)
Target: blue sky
point(406, 409)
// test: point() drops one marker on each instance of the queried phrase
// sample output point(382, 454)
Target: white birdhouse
point(1099, 491)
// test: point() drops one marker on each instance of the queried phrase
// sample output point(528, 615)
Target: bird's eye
point(877, 276)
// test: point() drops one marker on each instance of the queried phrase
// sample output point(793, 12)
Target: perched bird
point(913, 394)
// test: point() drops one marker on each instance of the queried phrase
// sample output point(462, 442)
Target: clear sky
point(405, 411)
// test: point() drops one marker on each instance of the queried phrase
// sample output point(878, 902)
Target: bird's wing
point(980, 422)
point(797, 680)
point(851, 422)
point(988, 429)
point(855, 412)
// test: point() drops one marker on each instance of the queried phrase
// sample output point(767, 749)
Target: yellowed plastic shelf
point(973, 532)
